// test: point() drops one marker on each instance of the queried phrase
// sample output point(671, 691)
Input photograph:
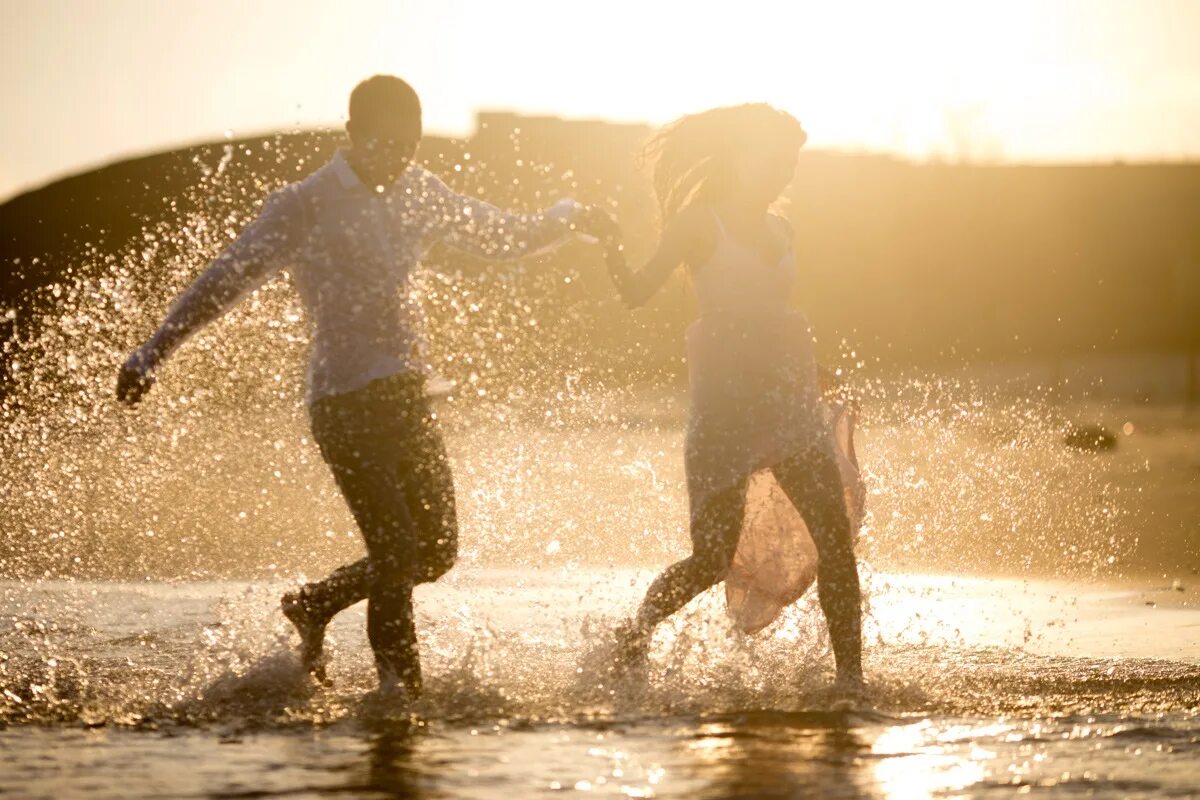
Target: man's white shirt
point(351, 249)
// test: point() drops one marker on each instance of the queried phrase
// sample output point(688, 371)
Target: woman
point(755, 406)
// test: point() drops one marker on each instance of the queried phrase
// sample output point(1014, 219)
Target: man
point(350, 235)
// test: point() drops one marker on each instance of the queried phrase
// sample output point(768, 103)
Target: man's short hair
point(381, 100)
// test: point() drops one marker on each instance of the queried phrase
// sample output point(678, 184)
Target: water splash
point(564, 462)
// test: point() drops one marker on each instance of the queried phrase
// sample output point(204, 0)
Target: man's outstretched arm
point(257, 254)
point(482, 229)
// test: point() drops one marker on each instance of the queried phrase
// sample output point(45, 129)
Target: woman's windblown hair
point(693, 157)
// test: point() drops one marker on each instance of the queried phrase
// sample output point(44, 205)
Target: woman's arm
point(678, 244)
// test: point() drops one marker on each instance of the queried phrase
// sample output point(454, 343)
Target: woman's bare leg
point(715, 532)
point(812, 482)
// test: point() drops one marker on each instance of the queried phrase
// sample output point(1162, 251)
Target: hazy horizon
point(933, 158)
point(1013, 83)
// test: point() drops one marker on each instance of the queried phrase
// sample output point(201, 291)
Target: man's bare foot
point(311, 628)
point(389, 704)
point(396, 687)
point(849, 692)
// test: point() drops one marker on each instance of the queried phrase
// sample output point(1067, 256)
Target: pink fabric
point(776, 559)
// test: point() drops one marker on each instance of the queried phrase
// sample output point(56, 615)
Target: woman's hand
point(597, 222)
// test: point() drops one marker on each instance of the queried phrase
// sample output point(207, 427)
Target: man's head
point(384, 127)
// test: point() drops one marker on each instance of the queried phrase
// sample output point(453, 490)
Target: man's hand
point(135, 378)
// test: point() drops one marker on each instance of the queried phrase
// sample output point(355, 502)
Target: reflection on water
point(748, 755)
point(155, 689)
point(905, 768)
point(772, 754)
point(395, 766)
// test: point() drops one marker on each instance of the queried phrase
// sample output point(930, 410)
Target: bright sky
point(85, 81)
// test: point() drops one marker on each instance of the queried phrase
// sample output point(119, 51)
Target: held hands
point(600, 226)
point(135, 377)
point(596, 222)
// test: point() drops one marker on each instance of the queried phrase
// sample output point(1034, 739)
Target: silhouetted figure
point(755, 399)
point(350, 235)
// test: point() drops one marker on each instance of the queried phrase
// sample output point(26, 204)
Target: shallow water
point(979, 686)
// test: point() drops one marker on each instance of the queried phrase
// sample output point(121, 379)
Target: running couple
point(352, 233)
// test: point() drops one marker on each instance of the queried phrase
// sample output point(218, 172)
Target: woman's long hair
point(693, 157)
